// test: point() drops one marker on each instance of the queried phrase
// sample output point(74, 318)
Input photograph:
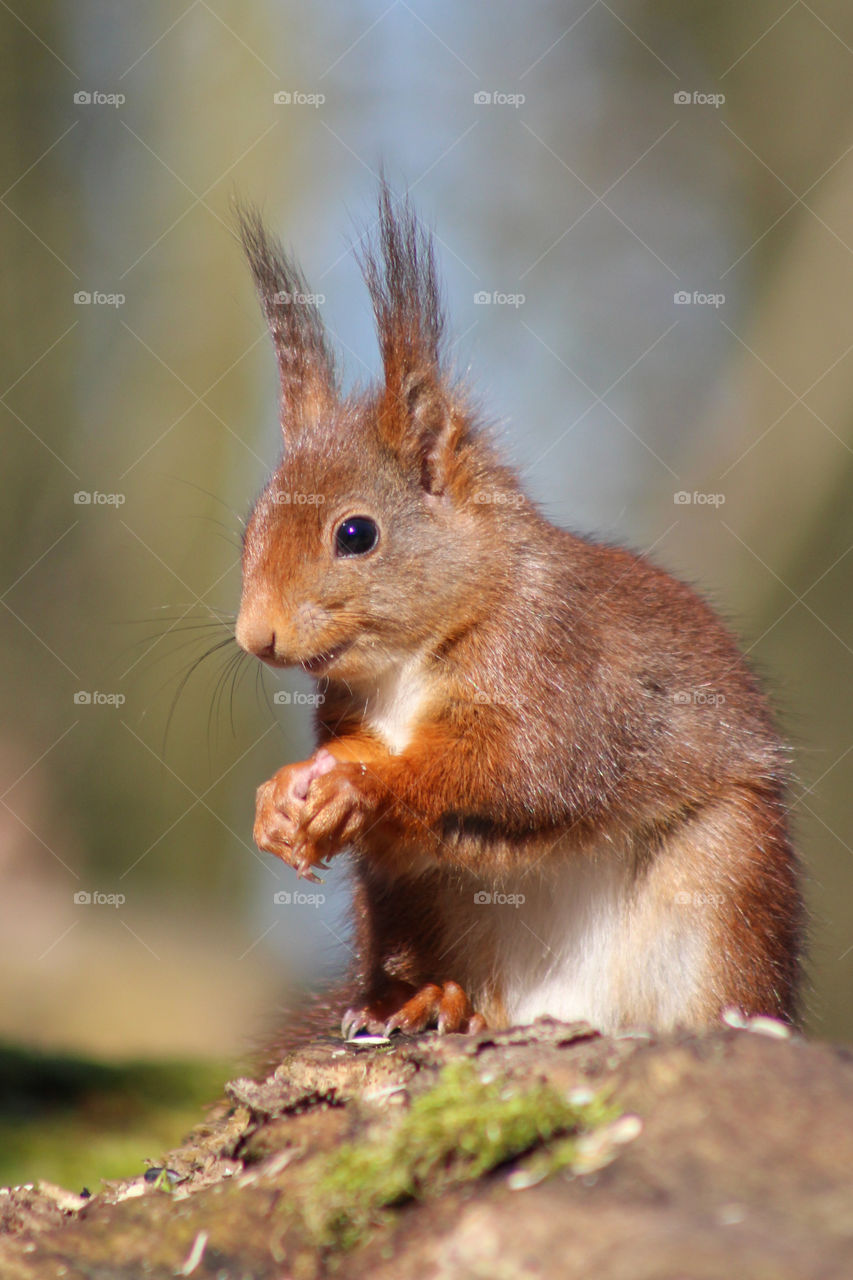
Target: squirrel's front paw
point(279, 808)
point(341, 804)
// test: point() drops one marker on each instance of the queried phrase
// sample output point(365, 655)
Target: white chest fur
point(591, 943)
point(392, 709)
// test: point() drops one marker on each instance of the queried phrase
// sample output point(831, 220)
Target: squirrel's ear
point(309, 384)
point(417, 417)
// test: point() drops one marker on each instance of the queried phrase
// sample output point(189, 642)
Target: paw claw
point(351, 1023)
point(305, 872)
point(355, 1021)
point(411, 1010)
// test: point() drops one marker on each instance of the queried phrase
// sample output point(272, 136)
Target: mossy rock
point(547, 1151)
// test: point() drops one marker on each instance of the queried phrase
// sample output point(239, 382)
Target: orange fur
point(507, 707)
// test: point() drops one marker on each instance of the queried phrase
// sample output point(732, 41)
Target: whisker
point(177, 623)
point(231, 666)
point(261, 689)
point(193, 667)
point(186, 607)
point(175, 630)
point(147, 662)
point(236, 515)
point(239, 671)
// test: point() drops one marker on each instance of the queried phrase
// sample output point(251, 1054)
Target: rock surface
point(733, 1157)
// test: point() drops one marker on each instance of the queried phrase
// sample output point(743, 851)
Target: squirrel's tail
point(308, 1017)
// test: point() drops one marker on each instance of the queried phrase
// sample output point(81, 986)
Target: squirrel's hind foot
point(442, 1006)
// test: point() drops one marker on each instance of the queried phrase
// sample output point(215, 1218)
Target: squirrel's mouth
point(322, 661)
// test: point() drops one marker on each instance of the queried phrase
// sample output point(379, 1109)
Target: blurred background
point(644, 213)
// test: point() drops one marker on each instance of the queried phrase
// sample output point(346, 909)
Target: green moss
point(460, 1130)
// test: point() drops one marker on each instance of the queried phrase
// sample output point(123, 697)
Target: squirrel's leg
point(404, 983)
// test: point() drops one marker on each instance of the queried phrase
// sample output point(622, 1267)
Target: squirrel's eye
point(356, 536)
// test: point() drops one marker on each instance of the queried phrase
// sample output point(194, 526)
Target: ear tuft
point(418, 418)
point(305, 361)
point(401, 276)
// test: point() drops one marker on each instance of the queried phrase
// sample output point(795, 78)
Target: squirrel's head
point(362, 549)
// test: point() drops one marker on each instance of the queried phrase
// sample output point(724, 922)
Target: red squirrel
point(560, 784)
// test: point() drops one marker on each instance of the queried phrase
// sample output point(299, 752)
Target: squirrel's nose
point(255, 635)
point(274, 634)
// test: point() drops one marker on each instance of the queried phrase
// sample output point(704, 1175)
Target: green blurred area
point(74, 1122)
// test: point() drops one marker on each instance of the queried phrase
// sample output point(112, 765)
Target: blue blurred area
point(580, 199)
